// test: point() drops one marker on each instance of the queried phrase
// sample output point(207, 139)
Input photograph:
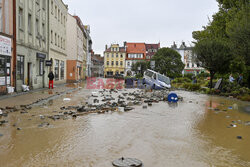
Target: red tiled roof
point(152, 46)
point(136, 48)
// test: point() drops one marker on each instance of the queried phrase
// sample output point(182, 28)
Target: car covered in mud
point(156, 80)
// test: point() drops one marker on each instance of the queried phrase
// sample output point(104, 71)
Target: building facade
point(97, 69)
point(6, 45)
point(188, 58)
point(58, 13)
point(76, 49)
point(32, 43)
point(135, 52)
point(89, 52)
point(114, 60)
point(151, 50)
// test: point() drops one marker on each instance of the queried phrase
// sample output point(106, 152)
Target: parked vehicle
point(156, 80)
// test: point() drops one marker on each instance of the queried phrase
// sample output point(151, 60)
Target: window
point(192, 64)
point(58, 41)
point(55, 39)
point(52, 7)
point(43, 30)
point(117, 55)
point(56, 70)
point(29, 24)
point(107, 55)
point(37, 27)
point(64, 21)
point(20, 18)
point(117, 63)
point(59, 15)
point(40, 67)
point(44, 4)
point(121, 63)
point(61, 18)
point(112, 63)
point(2, 66)
point(1, 20)
point(107, 63)
point(51, 36)
point(55, 11)
point(121, 56)
point(112, 54)
point(61, 43)
point(128, 64)
point(20, 68)
point(62, 70)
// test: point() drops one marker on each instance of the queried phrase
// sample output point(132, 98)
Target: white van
point(156, 80)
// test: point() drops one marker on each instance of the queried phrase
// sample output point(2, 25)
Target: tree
point(214, 54)
point(168, 62)
point(144, 65)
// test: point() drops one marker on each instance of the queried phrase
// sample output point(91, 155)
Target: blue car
point(156, 80)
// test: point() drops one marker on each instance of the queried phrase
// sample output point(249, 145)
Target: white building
point(89, 52)
point(188, 58)
point(32, 43)
point(58, 12)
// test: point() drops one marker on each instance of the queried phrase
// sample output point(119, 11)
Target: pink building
point(6, 45)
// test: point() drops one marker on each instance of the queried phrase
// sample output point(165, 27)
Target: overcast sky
point(150, 21)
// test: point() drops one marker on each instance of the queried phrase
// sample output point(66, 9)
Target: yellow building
point(114, 60)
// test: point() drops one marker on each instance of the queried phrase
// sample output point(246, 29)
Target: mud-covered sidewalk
point(36, 96)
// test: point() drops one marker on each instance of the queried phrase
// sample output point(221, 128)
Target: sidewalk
point(27, 98)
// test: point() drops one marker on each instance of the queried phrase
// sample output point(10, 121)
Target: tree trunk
point(211, 79)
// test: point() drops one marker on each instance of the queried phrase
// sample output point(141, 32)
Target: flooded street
point(199, 131)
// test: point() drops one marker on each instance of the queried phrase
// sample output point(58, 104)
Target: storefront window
point(62, 70)
point(20, 68)
point(41, 66)
point(2, 66)
point(56, 70)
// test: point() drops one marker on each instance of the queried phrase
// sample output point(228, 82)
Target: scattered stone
point(74, 115)
point(239, 137)
point(227, 116)
point(42, 116)
point(216, 109)
point(150, 104)
point(19, 128)
point(128, 108)
point(144, 107)
point(23, 112)
point(9, 108)
point(1, 112)
point(1, 135)
point(247, 123)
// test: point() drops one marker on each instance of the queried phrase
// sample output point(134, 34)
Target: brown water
point(190, 134)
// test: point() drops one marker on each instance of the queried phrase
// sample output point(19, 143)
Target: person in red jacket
point(51, 78)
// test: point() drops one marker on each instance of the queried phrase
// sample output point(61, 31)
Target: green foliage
point(139, 76)
point(231, 25)
point(168, 62)
point(191, 87)
point(182, 80)
point(144, 65)
point(190, 76)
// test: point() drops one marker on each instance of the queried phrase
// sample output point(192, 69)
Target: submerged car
point(156, 80)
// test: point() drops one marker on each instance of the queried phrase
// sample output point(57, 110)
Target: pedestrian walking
point(231, 78)
point(240, 79)
point(51, 79)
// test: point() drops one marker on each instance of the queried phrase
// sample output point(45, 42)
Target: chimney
point(106, 47)
point(125, 43)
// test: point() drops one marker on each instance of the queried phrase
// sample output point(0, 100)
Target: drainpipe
point(14, 44)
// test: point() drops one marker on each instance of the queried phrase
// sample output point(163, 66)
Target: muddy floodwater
point(200, 131)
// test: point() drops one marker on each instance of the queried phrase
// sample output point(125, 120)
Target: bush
point(191, 87)
point(190, 76)
point(203, 75)
point(139, 76)
point(181, 80)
